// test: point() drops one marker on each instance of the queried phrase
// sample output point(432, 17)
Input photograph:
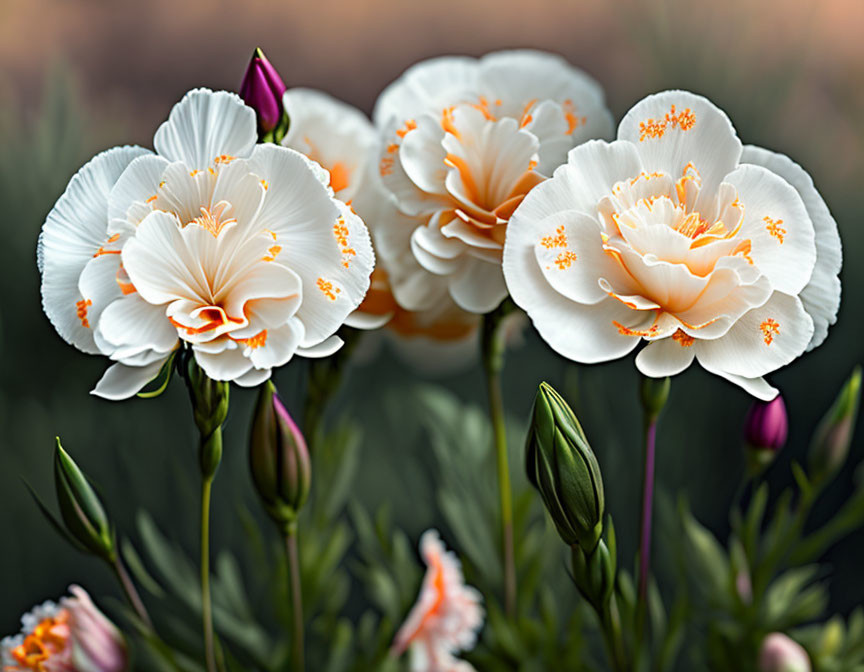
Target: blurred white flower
point(463, 141)
point(73, 636)
point(676, 235)
point(779, 653)
point(447, 616)
point(238, 250)
point(343, 141)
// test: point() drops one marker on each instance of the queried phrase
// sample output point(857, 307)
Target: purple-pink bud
point(779, 653)
point(262, 90)
point(767, 425)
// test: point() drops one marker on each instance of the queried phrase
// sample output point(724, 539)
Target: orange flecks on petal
point(265, 184)
point(448, 124)
point(152, 198)
point(214, 317)
point(565, 260)
point(224, 158)
point(558, 240)
point(656, 128)
point(193, 173)
point(693, 225)
point(769, 328)
point(123, 281)
point(81, 309)
point(272, 253)
point(773, 227)
point(627, 331)
point(532, 164)
point(526, 116)
point(386, 165)
point(49, 638)
point(409, 126)
point(683, 339)
point(573, 122)
point(327, 288)
point(102, 250)
point(339, 176)
point(483, 106)
point(392, 148)
point(341, 233)
point(256, 341)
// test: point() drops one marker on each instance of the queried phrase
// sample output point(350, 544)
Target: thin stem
point(611, 626)
point(297, 657)
point(645, 533)
point(493, 361)
point(131, 592)
point(206, 604)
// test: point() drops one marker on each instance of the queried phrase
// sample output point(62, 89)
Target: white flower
point(73, 636)
point(343, 141)
point(238, 250)
point(676, 235)
point(447, 616)
point(463, 141)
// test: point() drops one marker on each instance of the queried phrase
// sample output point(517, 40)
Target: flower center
point(48, 638)
point(212, 218)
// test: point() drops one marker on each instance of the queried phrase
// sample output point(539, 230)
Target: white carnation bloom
point(677, 236)
point(237, 250)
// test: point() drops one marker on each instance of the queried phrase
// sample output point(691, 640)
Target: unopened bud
point(593, 573)
point(262, 90)
point(779, 653)
point(209, 409)
point(82, 512)
point(653, 393)
point(765, 432)
point(562, 466)
point(830, 444)
point(278, 459)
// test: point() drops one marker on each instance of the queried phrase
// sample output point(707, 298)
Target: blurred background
point(78, 76)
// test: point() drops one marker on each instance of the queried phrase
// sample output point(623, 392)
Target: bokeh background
point(77, 76)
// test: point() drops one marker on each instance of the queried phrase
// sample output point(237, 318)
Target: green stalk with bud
point(209, 409)
point(281, 470)
point(560, 463)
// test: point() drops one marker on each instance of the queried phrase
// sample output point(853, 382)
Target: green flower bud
point(82, 512)
point(209, 409)
point(562, 466)
point(830, 444)
point(278, 459)
point(654, 392)
point(594, 573)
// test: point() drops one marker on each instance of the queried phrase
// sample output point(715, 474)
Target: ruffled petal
point(121, 382)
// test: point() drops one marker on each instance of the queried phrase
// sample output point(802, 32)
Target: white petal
point(772, 205)
point(664, 357)
point(73, 232)
point(135, 325)
point(478, 286)
point(758, 387)
point(821, 296)
point(121, 382)
point(430, 85)
point(763, 340)
point(280, 345)
point(323, 349)
point(205, 125)
point(228, 365)
point(253, 377)
point(696, 131)
point(138, 183)
point(367, 321)
point(422, 156)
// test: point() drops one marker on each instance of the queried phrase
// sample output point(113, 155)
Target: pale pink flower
point(447, 616)
point(73, 636)
point(779, 653)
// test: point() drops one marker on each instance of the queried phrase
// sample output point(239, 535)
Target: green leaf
point(164, 376)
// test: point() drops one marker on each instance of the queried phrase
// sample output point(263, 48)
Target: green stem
point(611, 626)
point(206, 604)
point(297, 644)
point(493, 361)
point(131, 593)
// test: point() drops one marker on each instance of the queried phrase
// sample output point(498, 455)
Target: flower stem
point(131, 593)
point(493, 362)
point(610, 623)
point(297, 658)
point(647, 509)
point(206, 604)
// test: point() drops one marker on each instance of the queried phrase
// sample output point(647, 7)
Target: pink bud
point(779, 653)
point(262, 90)
point(765, 432)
